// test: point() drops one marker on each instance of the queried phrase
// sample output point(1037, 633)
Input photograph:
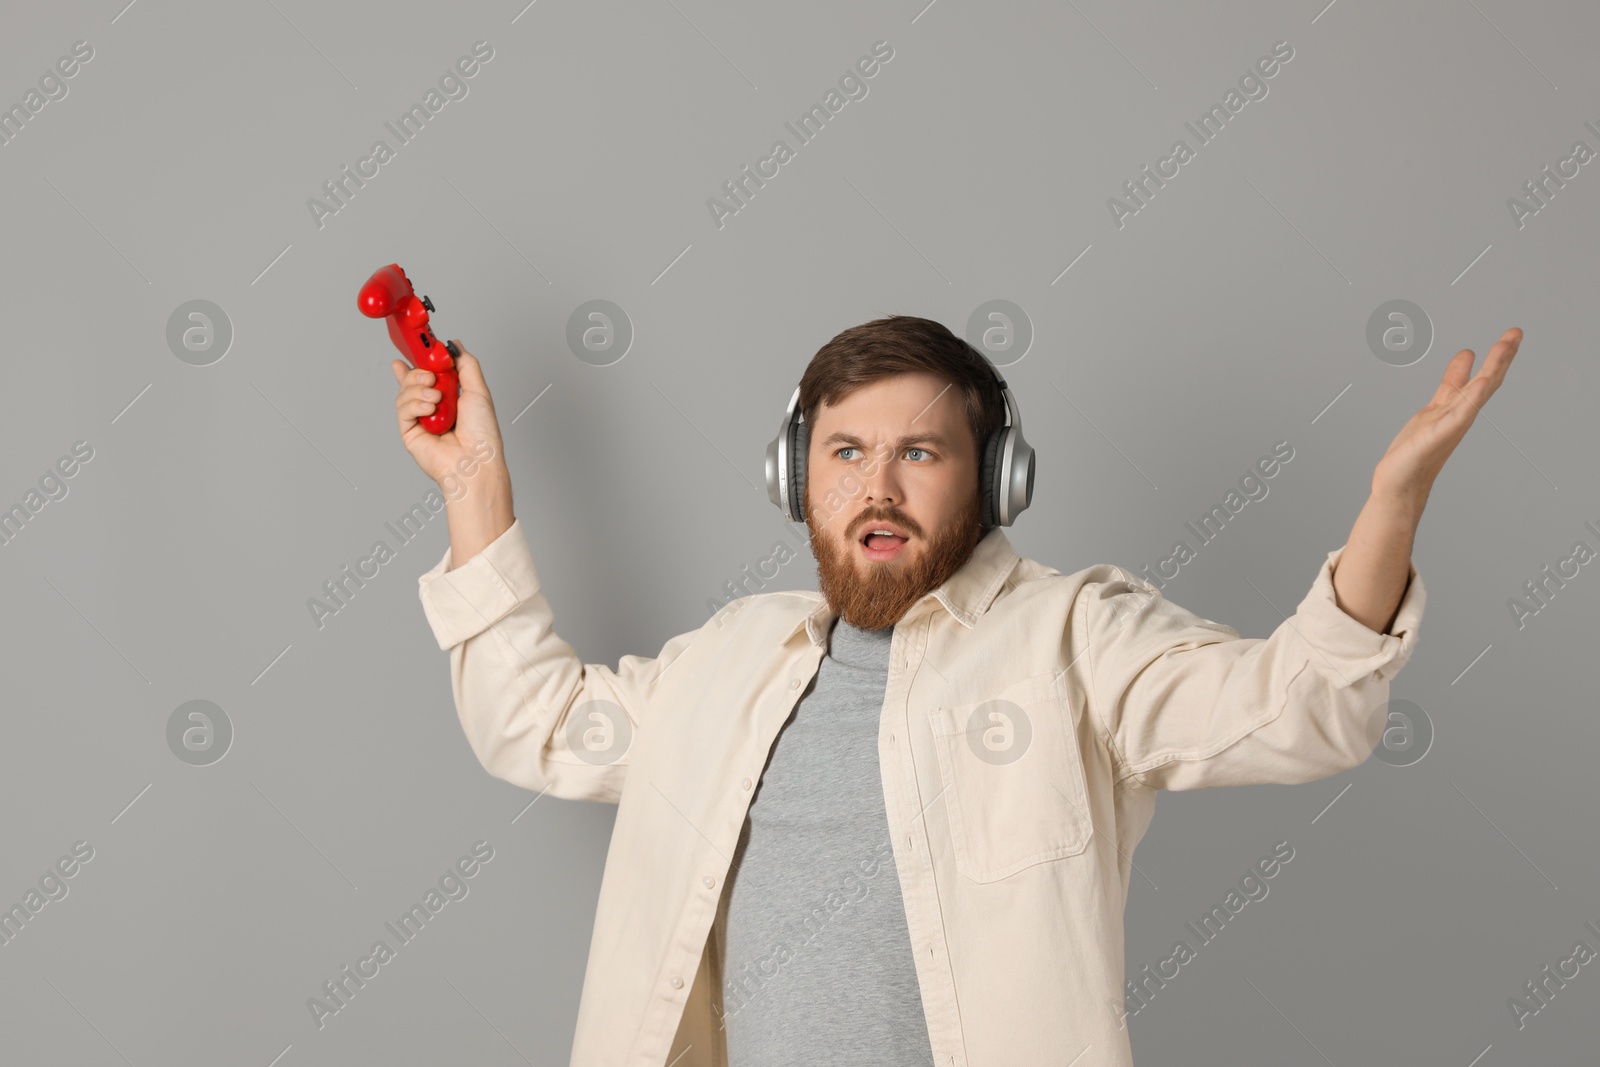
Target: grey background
point(1227, 315)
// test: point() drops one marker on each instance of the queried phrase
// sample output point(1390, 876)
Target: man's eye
point(851, 448)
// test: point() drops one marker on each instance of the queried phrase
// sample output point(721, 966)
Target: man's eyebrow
point(840, 438)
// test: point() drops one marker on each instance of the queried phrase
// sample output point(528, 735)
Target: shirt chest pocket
point(1013, 780)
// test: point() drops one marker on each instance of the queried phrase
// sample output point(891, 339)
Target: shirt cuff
point(1345, 650)
point(464, 602)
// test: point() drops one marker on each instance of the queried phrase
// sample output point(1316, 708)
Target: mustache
point(885, 515)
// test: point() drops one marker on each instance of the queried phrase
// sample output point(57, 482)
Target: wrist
point(478, 517)
point(481, 510)
point(485, 490)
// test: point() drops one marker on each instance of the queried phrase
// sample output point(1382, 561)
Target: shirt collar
point(966, 594)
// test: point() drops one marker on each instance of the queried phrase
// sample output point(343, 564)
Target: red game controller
point(388, 295)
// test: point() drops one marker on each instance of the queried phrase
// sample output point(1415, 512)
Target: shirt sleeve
point(1187, 703)
point(534, 713)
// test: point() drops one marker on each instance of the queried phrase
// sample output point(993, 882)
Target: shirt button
point(676, 982)
point(708, 881)
point(794, 683)
point(745, 784)
point(891, 739)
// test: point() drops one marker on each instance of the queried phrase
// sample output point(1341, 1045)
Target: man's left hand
point(1406, 472)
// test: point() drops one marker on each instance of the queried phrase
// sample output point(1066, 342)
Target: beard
point(872, 594)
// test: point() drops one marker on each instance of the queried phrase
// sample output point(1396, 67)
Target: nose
point(882, 482)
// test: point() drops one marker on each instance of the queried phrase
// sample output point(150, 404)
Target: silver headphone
point(1005, 468)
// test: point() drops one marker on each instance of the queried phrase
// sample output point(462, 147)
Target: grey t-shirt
point(817, 962)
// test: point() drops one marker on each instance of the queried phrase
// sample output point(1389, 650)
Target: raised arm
point(1186, 703)
point(534, 713)
point(1372, 572)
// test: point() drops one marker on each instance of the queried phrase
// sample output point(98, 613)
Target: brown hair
point(901, 344)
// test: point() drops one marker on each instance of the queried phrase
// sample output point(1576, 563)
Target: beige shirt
point(1029, 718)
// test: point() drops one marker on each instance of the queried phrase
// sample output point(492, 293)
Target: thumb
point(471, 372)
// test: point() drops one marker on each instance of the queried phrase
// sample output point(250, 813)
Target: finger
point(1456, 373)
point(399, 367)
point(403, 412)
point(1493, 371)
point(416, 408)
point(1500, 356)
point(418, 392)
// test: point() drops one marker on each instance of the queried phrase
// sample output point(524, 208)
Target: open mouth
point(882, 541)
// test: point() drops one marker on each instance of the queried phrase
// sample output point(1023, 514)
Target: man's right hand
point(438, 454)
point(479, 502)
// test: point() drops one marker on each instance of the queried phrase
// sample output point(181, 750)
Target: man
point(890, 822)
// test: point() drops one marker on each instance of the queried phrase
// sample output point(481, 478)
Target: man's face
point(897, 454)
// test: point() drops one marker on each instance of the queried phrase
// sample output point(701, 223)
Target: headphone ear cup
point(989, 479)
point(799, 445)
